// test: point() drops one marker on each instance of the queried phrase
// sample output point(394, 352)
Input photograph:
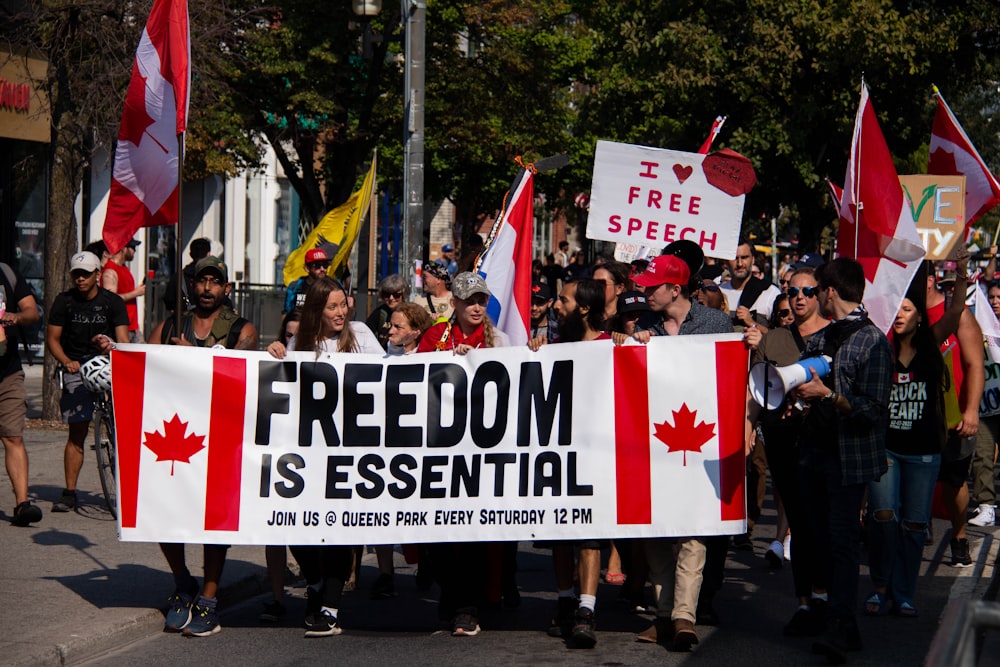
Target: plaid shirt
point(862, 373)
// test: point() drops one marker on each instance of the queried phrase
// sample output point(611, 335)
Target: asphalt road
point(754, 605)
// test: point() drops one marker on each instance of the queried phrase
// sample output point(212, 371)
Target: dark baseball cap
point(540, 291)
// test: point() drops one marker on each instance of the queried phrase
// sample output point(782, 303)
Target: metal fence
point(958, 639)
point(260, 303)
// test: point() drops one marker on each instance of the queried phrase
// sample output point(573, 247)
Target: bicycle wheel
point(104, 436)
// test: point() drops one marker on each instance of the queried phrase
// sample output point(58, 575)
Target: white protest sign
point(654, 196)
point(578, 440)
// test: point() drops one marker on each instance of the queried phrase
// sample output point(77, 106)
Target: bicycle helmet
point(96, 374)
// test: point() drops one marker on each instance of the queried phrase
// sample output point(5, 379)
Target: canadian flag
point(658, 427)
point(172, 447)
point(952, 154)
point(144, 183)
point(505, 264)
point(876, 225)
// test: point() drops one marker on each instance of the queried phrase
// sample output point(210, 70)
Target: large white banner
point(654, 196)
point(580, 440)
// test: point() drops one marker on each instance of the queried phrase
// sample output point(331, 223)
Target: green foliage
point(787, 75)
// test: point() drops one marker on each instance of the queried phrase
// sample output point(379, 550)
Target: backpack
point(10, 280)
point(227, 327)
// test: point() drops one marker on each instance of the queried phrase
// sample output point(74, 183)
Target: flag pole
point(179, 237)
point(856, 184)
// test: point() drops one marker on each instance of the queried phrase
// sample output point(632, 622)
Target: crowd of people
point(862, 446)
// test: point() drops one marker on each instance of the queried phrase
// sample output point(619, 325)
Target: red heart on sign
point(730, 172)
point(682, 172)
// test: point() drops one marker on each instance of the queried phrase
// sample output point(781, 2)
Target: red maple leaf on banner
point(684, 436)
point(174, 445)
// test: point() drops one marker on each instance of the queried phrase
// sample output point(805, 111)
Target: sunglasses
point(398, 296)
point(318, 265)
point(808, 292)
point(783, 313)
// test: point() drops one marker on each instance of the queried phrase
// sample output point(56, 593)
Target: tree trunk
point(60, 244)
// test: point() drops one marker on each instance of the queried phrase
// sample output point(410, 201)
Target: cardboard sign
point(938, 207)
point(989, 405)
point(652, 196)
point(578, 440)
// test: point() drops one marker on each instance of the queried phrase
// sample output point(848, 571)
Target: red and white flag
point(876, 225)
point(667, 430)
point(712, 134)
point(836, 195)
point(165, 443)
point(578, 440)
point(505, 264)
point(952, 154)
point(144, 183)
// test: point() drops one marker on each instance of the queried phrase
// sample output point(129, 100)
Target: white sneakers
point(985, 515)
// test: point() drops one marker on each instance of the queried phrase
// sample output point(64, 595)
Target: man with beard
point(580, 310)
point(749, 298)
point(543, 324)
point(208, 324)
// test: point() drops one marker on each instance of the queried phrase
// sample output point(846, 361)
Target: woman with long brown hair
point(324, 328)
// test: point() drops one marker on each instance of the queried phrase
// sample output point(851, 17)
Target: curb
point(144, 624)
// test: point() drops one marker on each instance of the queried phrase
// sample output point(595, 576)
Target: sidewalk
point(73, 591)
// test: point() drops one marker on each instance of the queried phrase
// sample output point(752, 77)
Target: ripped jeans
point(899, 505)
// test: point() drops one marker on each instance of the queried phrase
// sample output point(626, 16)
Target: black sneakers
point(561, 624)
point(384, 587)
point(322, 624)
point(960, 552)
point(67, 503)
point(584, 629)
point(26, 513)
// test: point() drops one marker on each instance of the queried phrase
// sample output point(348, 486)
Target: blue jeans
point(896, 543)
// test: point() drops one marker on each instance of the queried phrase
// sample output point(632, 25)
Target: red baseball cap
point(316, 255)
point(664, 269)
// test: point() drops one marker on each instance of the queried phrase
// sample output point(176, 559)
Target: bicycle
point(96, 376)
point(105, 450)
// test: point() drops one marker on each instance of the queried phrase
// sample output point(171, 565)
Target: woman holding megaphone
point(783, 346)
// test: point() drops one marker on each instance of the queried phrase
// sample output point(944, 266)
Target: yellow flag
point(335, 233)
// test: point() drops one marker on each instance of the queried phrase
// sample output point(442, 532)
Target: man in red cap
point(317, 264)
point(666, 284)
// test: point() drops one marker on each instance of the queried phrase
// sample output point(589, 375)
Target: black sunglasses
point(808, 292)
point(783, 313)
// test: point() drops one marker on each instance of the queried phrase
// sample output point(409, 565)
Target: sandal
point(616, 578)
point(906, 610)
point(877, 604)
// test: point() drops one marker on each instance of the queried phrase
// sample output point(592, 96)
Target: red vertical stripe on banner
point(632, 459)
point(225, 444)
point(128, 379)
point(731, 381)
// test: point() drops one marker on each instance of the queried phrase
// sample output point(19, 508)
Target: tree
point(90, 48)
point(787, 75)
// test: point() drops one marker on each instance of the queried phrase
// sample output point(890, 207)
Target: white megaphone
point(770, 383)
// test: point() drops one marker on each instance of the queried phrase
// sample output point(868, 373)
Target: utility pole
point(413, 136)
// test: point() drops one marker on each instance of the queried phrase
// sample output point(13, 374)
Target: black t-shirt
point(10, 362)
point(916, 422)
point(81, 320)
